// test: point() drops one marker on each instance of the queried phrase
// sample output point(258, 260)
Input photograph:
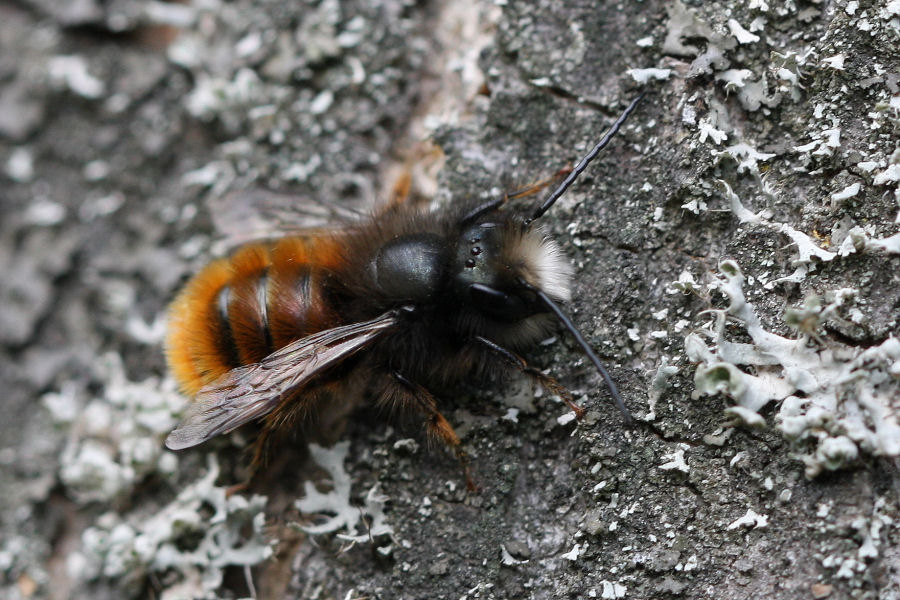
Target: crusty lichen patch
point(836, 401)
point(195, 537)
point(335, 505)
point(115, 443)
point(806, 109)
point(115, 437)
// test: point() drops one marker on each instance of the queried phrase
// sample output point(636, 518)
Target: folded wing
point(253, 391)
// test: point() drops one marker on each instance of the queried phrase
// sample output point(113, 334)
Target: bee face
point(499, 262)
point(480, 277)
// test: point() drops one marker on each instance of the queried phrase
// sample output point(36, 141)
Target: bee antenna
point(570, 326)
point(582, 165)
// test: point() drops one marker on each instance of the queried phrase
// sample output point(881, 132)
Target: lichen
point(197, 535)
point(344, 515)
point(116, 435)
point(837, 401)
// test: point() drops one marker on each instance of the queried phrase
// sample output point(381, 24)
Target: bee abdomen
point(295, 289)
point(239, 310)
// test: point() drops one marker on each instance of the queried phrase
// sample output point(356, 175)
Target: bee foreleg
point(437, 425)
point(400, 191)
point(548, 383)
point(492, 205)
point(538, 186)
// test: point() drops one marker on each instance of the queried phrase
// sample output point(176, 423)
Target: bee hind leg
point(274, 428)
point(438, 426)
point(260, 449)
point(548, 383)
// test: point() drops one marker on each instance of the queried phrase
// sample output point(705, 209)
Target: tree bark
point(753, 194)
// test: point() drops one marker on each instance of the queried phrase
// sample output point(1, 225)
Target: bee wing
point(253, 391)
point(254, 214)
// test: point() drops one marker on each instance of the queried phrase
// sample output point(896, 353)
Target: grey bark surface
point(123, 124)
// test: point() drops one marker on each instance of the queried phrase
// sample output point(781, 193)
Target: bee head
point(499, 264)
point(506, 267)
point(510, 275)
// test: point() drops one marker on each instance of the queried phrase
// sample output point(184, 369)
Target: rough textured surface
point(771, 139)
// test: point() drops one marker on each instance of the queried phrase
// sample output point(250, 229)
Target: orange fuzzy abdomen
point(238, 310)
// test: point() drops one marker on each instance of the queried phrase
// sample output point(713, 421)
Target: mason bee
point(386, 309)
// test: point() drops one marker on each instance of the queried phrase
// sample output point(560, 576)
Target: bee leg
point(271, 434)
point(437, 425)
point(401, 190)
point(548, 383)
point(538, 186)
point(261, 446)
point(274, 425)
point(237, 488)
point(492, 205)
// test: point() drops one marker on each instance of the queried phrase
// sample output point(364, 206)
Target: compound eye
point(498, 304)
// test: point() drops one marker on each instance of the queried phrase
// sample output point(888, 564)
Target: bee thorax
point(409, 267)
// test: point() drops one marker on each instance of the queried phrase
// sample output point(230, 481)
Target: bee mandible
point(386, 308)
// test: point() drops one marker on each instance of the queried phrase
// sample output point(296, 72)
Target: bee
point(384, 309)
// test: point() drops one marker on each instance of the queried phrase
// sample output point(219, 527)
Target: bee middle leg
point(438, 426)
point(548, 383)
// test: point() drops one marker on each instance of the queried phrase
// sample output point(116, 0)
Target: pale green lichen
point(115, 442)
point(750, 520)
point(809, 253)
point(116, 436)
point(344, 515)
point(837, 401)
point(198, 534)
point(658, 386)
